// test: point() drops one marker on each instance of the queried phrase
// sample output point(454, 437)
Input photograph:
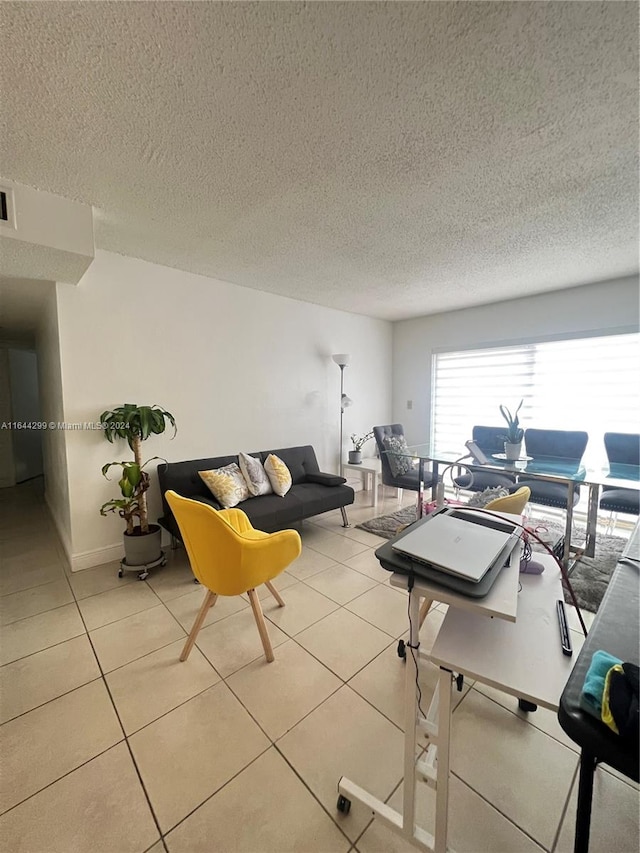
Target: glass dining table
point(550, 469)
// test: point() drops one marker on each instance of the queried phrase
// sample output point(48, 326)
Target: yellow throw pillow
point(278, 474)
point(226, 484)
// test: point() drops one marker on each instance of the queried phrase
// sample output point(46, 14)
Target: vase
point(355, 457)
point(513, 452)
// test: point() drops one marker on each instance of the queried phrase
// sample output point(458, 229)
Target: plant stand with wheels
point(141, 568)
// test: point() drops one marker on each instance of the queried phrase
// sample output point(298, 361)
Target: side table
point(371, 470)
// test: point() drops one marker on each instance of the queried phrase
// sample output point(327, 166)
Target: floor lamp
point(342, 359)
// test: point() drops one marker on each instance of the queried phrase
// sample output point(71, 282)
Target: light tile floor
point(109, 743)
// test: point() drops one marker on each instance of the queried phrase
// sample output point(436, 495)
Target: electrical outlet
point(409, 404)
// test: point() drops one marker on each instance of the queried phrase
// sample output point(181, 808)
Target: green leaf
point(146, 422)
point(133, 473)
point(126, 487)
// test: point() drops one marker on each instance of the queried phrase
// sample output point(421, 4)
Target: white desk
point(522, 657)
point(371, 470)
point(500, 601)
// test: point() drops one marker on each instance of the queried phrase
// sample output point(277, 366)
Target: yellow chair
point(514, 503)
point(229, 557)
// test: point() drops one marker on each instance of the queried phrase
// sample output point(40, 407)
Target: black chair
point(615, 629)
point(622, 449)
point(397, 471)
point(565, 445)
point(490, 440)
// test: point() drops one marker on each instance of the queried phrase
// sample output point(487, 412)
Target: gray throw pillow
point(399, 464)
point(481, 499)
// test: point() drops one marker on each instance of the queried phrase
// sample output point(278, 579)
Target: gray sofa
point(312, 492)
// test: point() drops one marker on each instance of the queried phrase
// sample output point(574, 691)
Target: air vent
point(6, 207)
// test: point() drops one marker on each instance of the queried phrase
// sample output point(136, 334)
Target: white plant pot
point(513, 451)
point(355, 457)
point(143, 549)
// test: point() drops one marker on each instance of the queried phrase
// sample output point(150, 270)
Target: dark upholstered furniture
point(565, 445)
point(490, 440)
point(398, 481)
point(614, 630)
point(622, 449)
point(312, 492)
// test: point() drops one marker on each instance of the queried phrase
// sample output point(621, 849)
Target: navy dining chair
point(567, 446)
point(622, 449)
point(490, 440)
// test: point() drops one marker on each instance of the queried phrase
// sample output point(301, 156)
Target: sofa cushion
point(278, 474)
point(316, 498)
point(299, 460)
point(256, 477)
point(227, 484)
point(272, 512)
point(326, 479)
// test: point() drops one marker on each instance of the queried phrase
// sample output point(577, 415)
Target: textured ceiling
point(391, 159)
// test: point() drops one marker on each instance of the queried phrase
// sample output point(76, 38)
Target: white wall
point(239, 369)
point(607, 307)
point(54, 452)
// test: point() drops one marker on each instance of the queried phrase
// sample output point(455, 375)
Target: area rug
point(589, 578)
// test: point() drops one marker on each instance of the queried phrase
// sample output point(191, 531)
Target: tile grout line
point(313, 794)
point(124, 734)
point(524, 720)
point(500, 812)
point(565, 808)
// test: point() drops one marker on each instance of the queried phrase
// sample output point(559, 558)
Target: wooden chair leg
point(424, 609)
point(209, 601)
point(274, 592)
point(262, 628)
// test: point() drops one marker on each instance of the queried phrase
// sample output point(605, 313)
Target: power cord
point(440, 499)
point(409, 645)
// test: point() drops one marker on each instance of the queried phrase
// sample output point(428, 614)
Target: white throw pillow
point(226, 484)
point(255, 475)
point(278, 474)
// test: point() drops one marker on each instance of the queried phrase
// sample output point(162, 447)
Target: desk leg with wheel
point(411, 716)
point(444, 749)
point(441, 706)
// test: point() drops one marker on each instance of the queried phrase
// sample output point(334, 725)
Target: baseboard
point(96, 557)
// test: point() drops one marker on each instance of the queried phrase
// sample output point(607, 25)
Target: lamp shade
point(341, 358)
point(346, 401)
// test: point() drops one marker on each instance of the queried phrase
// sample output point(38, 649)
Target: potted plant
point(136, 424)
point(514, 434)
point(358, 441)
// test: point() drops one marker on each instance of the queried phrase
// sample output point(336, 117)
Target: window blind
point(585, 383)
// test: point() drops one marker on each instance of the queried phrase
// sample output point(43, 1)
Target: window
point(586, 383)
